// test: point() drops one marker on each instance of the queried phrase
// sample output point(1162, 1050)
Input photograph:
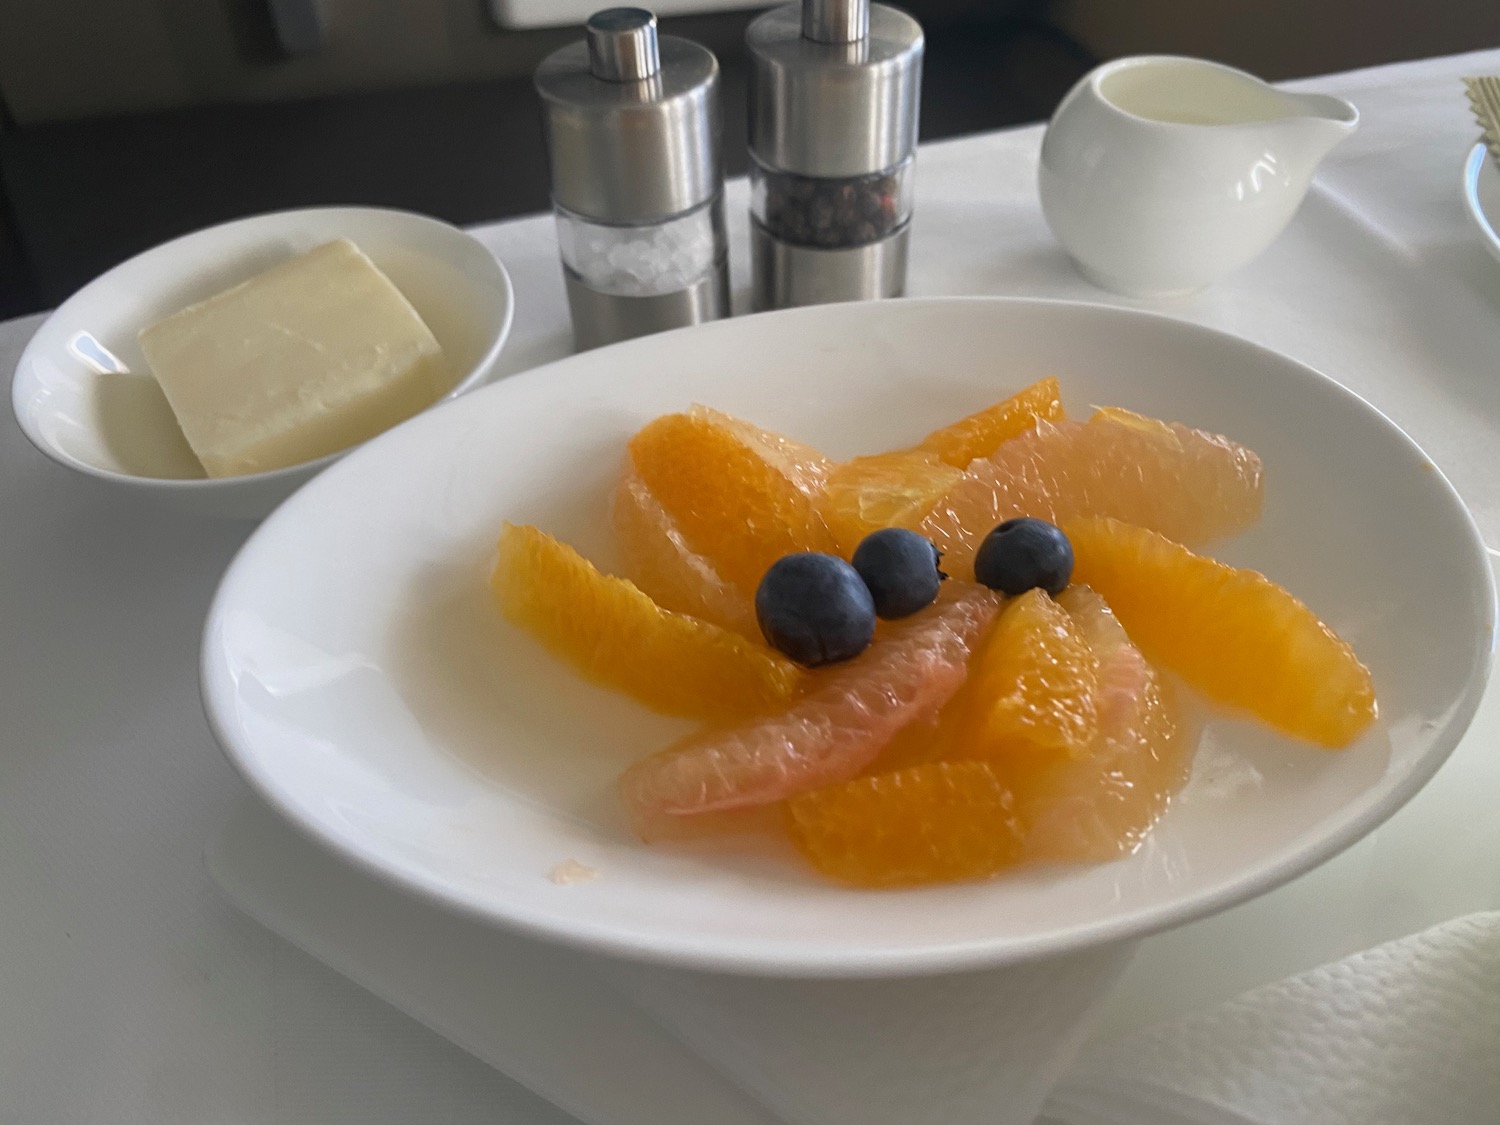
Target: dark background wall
point(126, 122)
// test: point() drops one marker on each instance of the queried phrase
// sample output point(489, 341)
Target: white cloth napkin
point(978, 1048)
point(1407, 1033)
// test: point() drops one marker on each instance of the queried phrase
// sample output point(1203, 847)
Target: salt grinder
point(834, 91)
point(633, 139)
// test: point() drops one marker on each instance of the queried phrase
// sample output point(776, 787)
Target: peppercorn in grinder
point(633, 143)
point(834, 91)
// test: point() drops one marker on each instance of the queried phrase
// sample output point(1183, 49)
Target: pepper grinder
point(834, 91)
point(633, 140)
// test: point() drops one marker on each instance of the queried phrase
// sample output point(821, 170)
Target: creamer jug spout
point(1320, 122)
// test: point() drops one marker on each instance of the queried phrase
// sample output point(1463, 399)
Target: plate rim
point(1474, 165)
point(742, 957)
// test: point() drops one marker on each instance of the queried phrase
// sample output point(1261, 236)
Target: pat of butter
point(316, 354)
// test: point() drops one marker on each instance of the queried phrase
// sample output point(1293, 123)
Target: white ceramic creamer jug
point(1160, 174)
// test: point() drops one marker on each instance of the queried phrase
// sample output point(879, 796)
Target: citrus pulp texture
point(617, 637)
point(981, 433)
point(1032, 685)
point(1189, 485)
point(899, 488)
point(829, 734)
point(655, 555)
point(740, 497)
point(1233, 634)
point(1100, 803)
point(932, 823)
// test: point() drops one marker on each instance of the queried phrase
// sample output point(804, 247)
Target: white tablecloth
point(132, 993)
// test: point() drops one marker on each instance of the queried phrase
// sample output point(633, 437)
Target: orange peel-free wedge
point(741, 497)
point(933, 823)
point(984, 431)
point(1232, 633)
point(656, 556)
point(1032, 686)
point(617, 637)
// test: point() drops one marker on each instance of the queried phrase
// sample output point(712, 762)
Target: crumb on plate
point(571, 871)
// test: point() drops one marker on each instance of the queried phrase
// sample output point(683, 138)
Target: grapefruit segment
point(1233, 634)
point(1187, 484)
point(826, 736)
point(617, 637)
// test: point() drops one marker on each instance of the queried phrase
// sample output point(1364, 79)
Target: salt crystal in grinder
point(633, 139)
point(834, 91)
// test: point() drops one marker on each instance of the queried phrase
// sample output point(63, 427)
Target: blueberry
point(1024, 553)
point(901, 569)
point(815, 608)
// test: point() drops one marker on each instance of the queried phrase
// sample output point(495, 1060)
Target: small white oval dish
point(356, 672)
point(84, 396)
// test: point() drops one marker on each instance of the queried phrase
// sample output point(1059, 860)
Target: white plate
point(1482, 195)
point(355, 672)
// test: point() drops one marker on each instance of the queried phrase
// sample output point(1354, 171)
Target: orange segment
point(1032, 686)
point(886, 490)
point(1101, 804)
point(934, 823)
point(742, 497)
point(980, 434)
point(656, 557)
point(828, 735)
point(899, 488)
point(1187, 484)
point(1233, 634)
point(619, 638)
point(803, 465)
